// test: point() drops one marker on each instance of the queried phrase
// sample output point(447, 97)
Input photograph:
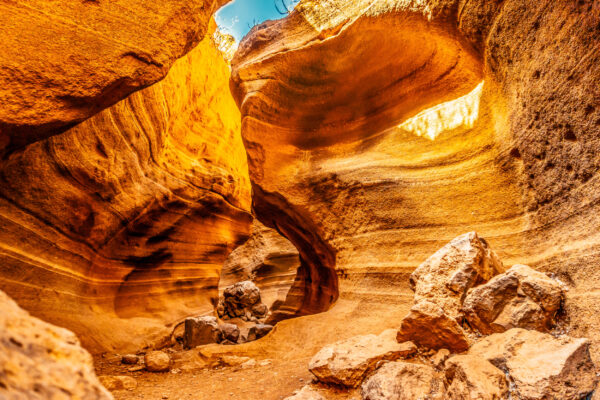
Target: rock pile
point(463, 293)
point(242, 300)
point(206, 330)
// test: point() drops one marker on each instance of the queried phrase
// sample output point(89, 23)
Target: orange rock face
point(62, 64)
point(340, 102)
point(118, 228)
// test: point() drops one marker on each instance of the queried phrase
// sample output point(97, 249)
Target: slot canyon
point(362, 199)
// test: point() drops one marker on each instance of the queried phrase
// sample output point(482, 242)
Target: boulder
point(42, 361)
point(118, 382)
point(403, 381)
point(259, 310)
point(347, 362)
point(130, 359)
point(306, 393)
point(201, 330)
point(470, 377)
point(446, 276)
point(540, 366)
point(258, 331)
point(239, 297)
point(230, 332)
point(519, 298)
point(157, 361)
point(428, 326)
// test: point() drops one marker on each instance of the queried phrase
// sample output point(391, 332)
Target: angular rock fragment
point(471, 377)
point(347, 362)
point(157, 361)
point(230, 332)
point(440, 357)
point(519, 298)
point(201, 330)
point(445, 277)
point(118, 382)
point(258, 331)
point(428, 326)
point(540, 366)
point(403, 381)
point(306, 393)
point(130, 359)
point(242, 300)
point(42, 361)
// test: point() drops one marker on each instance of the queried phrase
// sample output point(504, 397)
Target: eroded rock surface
point(470, 377)
point(118, 228)
point(348, 362)
point(519, 298)
point(42, 361)
point(107, 51)
point(539, 365)
point(404, 381)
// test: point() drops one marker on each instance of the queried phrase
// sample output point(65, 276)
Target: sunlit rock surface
point(118, 228)
point(63, 62)
point(324, 94)
point(41, 361)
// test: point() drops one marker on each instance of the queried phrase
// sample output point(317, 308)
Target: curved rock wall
point(118, 228)
point(62, 63)
point(322, 94)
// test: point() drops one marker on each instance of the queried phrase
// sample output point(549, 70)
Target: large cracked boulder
point(42, 361)
point(348, 362)
point(470, 377)
point(404, 381)
point(540, 366)
point(519, 298)
point(446, 276)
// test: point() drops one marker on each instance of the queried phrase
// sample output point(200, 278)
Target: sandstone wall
point(62, 63)
point(118, 227)
point(322, 93)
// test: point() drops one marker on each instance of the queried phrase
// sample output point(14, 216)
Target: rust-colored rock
point(539, 365)
point(42, 361)
point(404, 381)
point(429, 326)
point(157, 361)
point(106, 51)
point(348, 362)
point(470, 377)
point(118, 228)
point(118, 382)
point(519, 298)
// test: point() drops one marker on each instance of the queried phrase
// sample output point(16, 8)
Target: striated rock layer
point(118, 228)
point(107, 50)
point(366, 192)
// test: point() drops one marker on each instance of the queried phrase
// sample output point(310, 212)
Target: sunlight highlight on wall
point(452, 114)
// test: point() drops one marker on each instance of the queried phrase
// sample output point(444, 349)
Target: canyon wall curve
point(118, 228)
point(366, 201)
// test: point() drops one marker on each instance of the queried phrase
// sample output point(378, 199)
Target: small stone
point(200, 331)
point(233, 361)
point(230, 332)
point(306, 393)
point(136, 368)
point(260, 310)
point(118, 382)
point(347, 362)
point(249, 364)
point(157, 361)
point(130, 359)
point(258, 331)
